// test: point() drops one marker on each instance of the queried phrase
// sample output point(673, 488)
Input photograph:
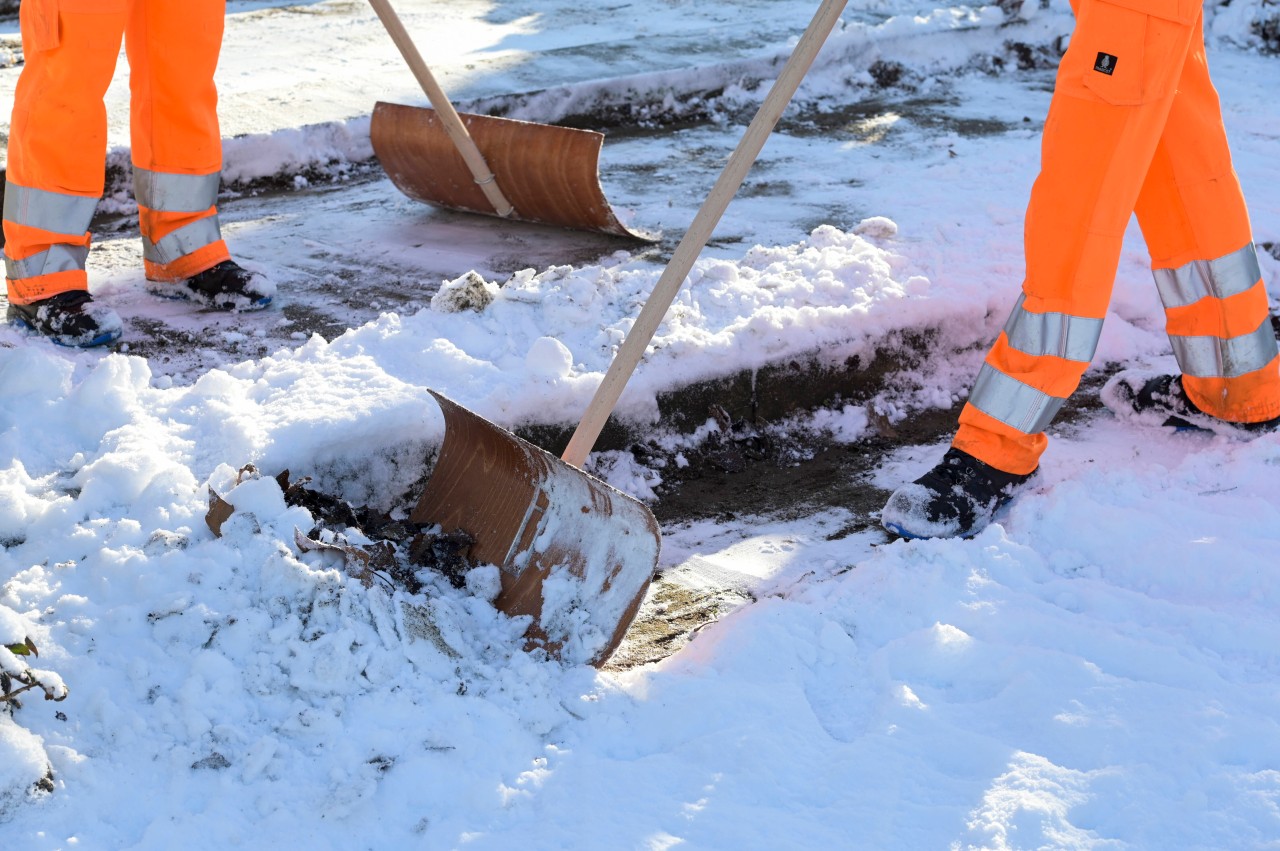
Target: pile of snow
point(256, 693)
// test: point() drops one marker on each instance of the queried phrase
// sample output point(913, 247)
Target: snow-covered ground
point(1099, 669)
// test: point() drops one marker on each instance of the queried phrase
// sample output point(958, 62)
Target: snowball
point(549, 358)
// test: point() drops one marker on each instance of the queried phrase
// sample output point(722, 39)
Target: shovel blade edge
point(575, 554)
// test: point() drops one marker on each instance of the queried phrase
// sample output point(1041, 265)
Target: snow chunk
point(470, 292)
point(876, 227)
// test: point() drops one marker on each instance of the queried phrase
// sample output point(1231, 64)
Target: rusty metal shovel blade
point(549, 174)
point(575, 554)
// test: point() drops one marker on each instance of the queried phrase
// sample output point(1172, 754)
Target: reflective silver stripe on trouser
point(1013, 403)
point(57, 258)
point(175, 193)
point(1221, 278)
point(56, 212)
point(182, 241)
point(1019, 405)
point(1214, 357)
point(1058, 334)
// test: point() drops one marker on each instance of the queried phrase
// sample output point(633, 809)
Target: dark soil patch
point(788, 481)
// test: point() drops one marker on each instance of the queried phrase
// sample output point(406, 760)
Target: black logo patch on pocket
point(1106, 64)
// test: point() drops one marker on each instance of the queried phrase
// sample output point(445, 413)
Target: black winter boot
point(226, 286)
point(957, 498)
point(69, 319)
point(1161, 400)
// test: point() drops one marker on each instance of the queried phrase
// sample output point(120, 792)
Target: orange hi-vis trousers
point(58, 138)
point(1134, 126)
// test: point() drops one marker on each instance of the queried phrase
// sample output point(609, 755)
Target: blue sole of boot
point(258, 304)
point(100, 340)
point(903, 533)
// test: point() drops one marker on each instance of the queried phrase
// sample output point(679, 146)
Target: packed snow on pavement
point(1097, 669)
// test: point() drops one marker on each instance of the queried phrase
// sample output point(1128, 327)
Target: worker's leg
point(57, 143)
point(1194, 219)
point(1114, 91)
point(177, 155)
point(176, 144)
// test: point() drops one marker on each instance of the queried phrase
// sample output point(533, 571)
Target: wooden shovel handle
point(695, 238)
point(440, 102)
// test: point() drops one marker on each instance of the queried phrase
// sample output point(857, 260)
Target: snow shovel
point(549, 174)
point(576, 556)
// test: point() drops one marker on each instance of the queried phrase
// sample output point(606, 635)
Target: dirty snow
point(1098, 669)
